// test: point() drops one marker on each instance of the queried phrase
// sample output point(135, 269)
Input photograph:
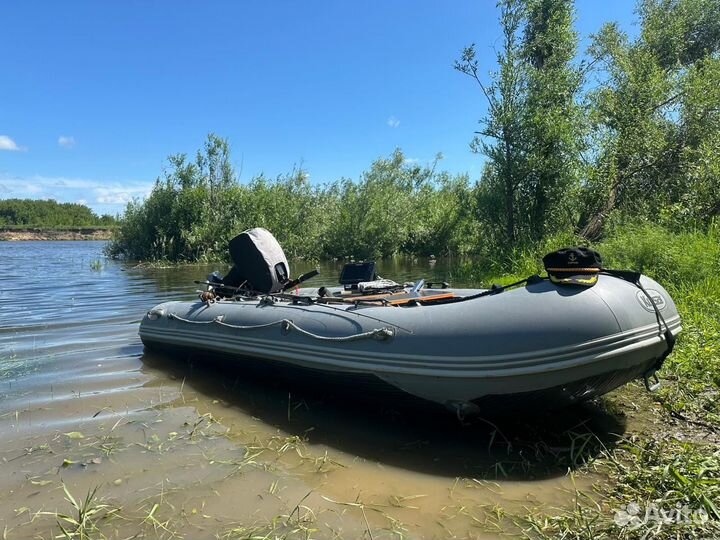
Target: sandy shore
point(55, 234)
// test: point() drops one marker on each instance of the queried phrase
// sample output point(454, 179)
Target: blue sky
point(95, 95)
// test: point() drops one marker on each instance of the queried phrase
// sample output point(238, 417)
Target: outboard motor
point(260, 264)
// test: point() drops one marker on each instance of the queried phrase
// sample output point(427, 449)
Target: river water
point(173, 449)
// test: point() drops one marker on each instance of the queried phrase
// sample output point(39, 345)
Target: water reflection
point(397, 429)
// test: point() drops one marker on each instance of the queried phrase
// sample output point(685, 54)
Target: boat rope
point(311, 301)
point(663, 327)
point(495, 289)
point(287, 325)
point(172, 316)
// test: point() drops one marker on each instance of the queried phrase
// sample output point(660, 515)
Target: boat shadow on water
point(399, 430)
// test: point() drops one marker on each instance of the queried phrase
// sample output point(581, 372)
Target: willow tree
point(501, 137)
point(656, 115)
point(530, 134)
point(182, 219)
point(552, 117)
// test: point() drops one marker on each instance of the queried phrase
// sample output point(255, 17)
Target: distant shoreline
point(69, 233)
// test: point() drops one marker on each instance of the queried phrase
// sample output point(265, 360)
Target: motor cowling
point(259, 263)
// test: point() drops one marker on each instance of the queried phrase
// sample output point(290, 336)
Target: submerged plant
point(83, 523)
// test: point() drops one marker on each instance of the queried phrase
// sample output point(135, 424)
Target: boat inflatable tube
point(538, 346)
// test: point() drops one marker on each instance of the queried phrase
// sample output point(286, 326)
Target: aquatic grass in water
point(88, 512)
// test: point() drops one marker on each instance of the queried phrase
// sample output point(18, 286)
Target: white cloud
point(101, 196)
point(66, 141)
point(119, 194)
point(6, 143)
point(393, 122)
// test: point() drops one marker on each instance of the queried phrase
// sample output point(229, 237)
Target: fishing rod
point(240, 288)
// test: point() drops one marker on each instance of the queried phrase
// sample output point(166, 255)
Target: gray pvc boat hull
point(566, 344)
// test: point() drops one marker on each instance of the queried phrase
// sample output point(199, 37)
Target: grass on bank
point(676, 463)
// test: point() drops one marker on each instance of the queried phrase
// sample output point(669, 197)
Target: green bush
point(396, 207)
point(676, 259)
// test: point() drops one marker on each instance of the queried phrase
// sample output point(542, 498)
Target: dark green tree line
point(49, 214)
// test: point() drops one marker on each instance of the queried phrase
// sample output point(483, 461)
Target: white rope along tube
point(286, 325)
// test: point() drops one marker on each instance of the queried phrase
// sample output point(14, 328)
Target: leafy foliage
point(656, 117)
point(49, 214)
point(502, 137)
point(193, 211)
point(531, 135)
point(551, 118)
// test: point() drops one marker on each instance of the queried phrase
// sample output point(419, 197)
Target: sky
point(95, 95)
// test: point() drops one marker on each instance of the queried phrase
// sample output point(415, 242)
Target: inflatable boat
point(543, 342)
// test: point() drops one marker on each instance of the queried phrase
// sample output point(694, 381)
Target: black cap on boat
point(573, 266)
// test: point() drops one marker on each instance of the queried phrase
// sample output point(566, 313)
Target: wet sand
point(23, 235)
point(183, 448)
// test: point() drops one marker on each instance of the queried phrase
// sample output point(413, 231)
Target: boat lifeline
point(546, 342)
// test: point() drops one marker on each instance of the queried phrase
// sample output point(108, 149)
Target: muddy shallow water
point(185, 449)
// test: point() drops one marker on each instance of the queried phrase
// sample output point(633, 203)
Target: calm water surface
point(184, 450)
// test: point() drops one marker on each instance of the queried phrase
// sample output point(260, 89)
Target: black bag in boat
point(260, 264)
